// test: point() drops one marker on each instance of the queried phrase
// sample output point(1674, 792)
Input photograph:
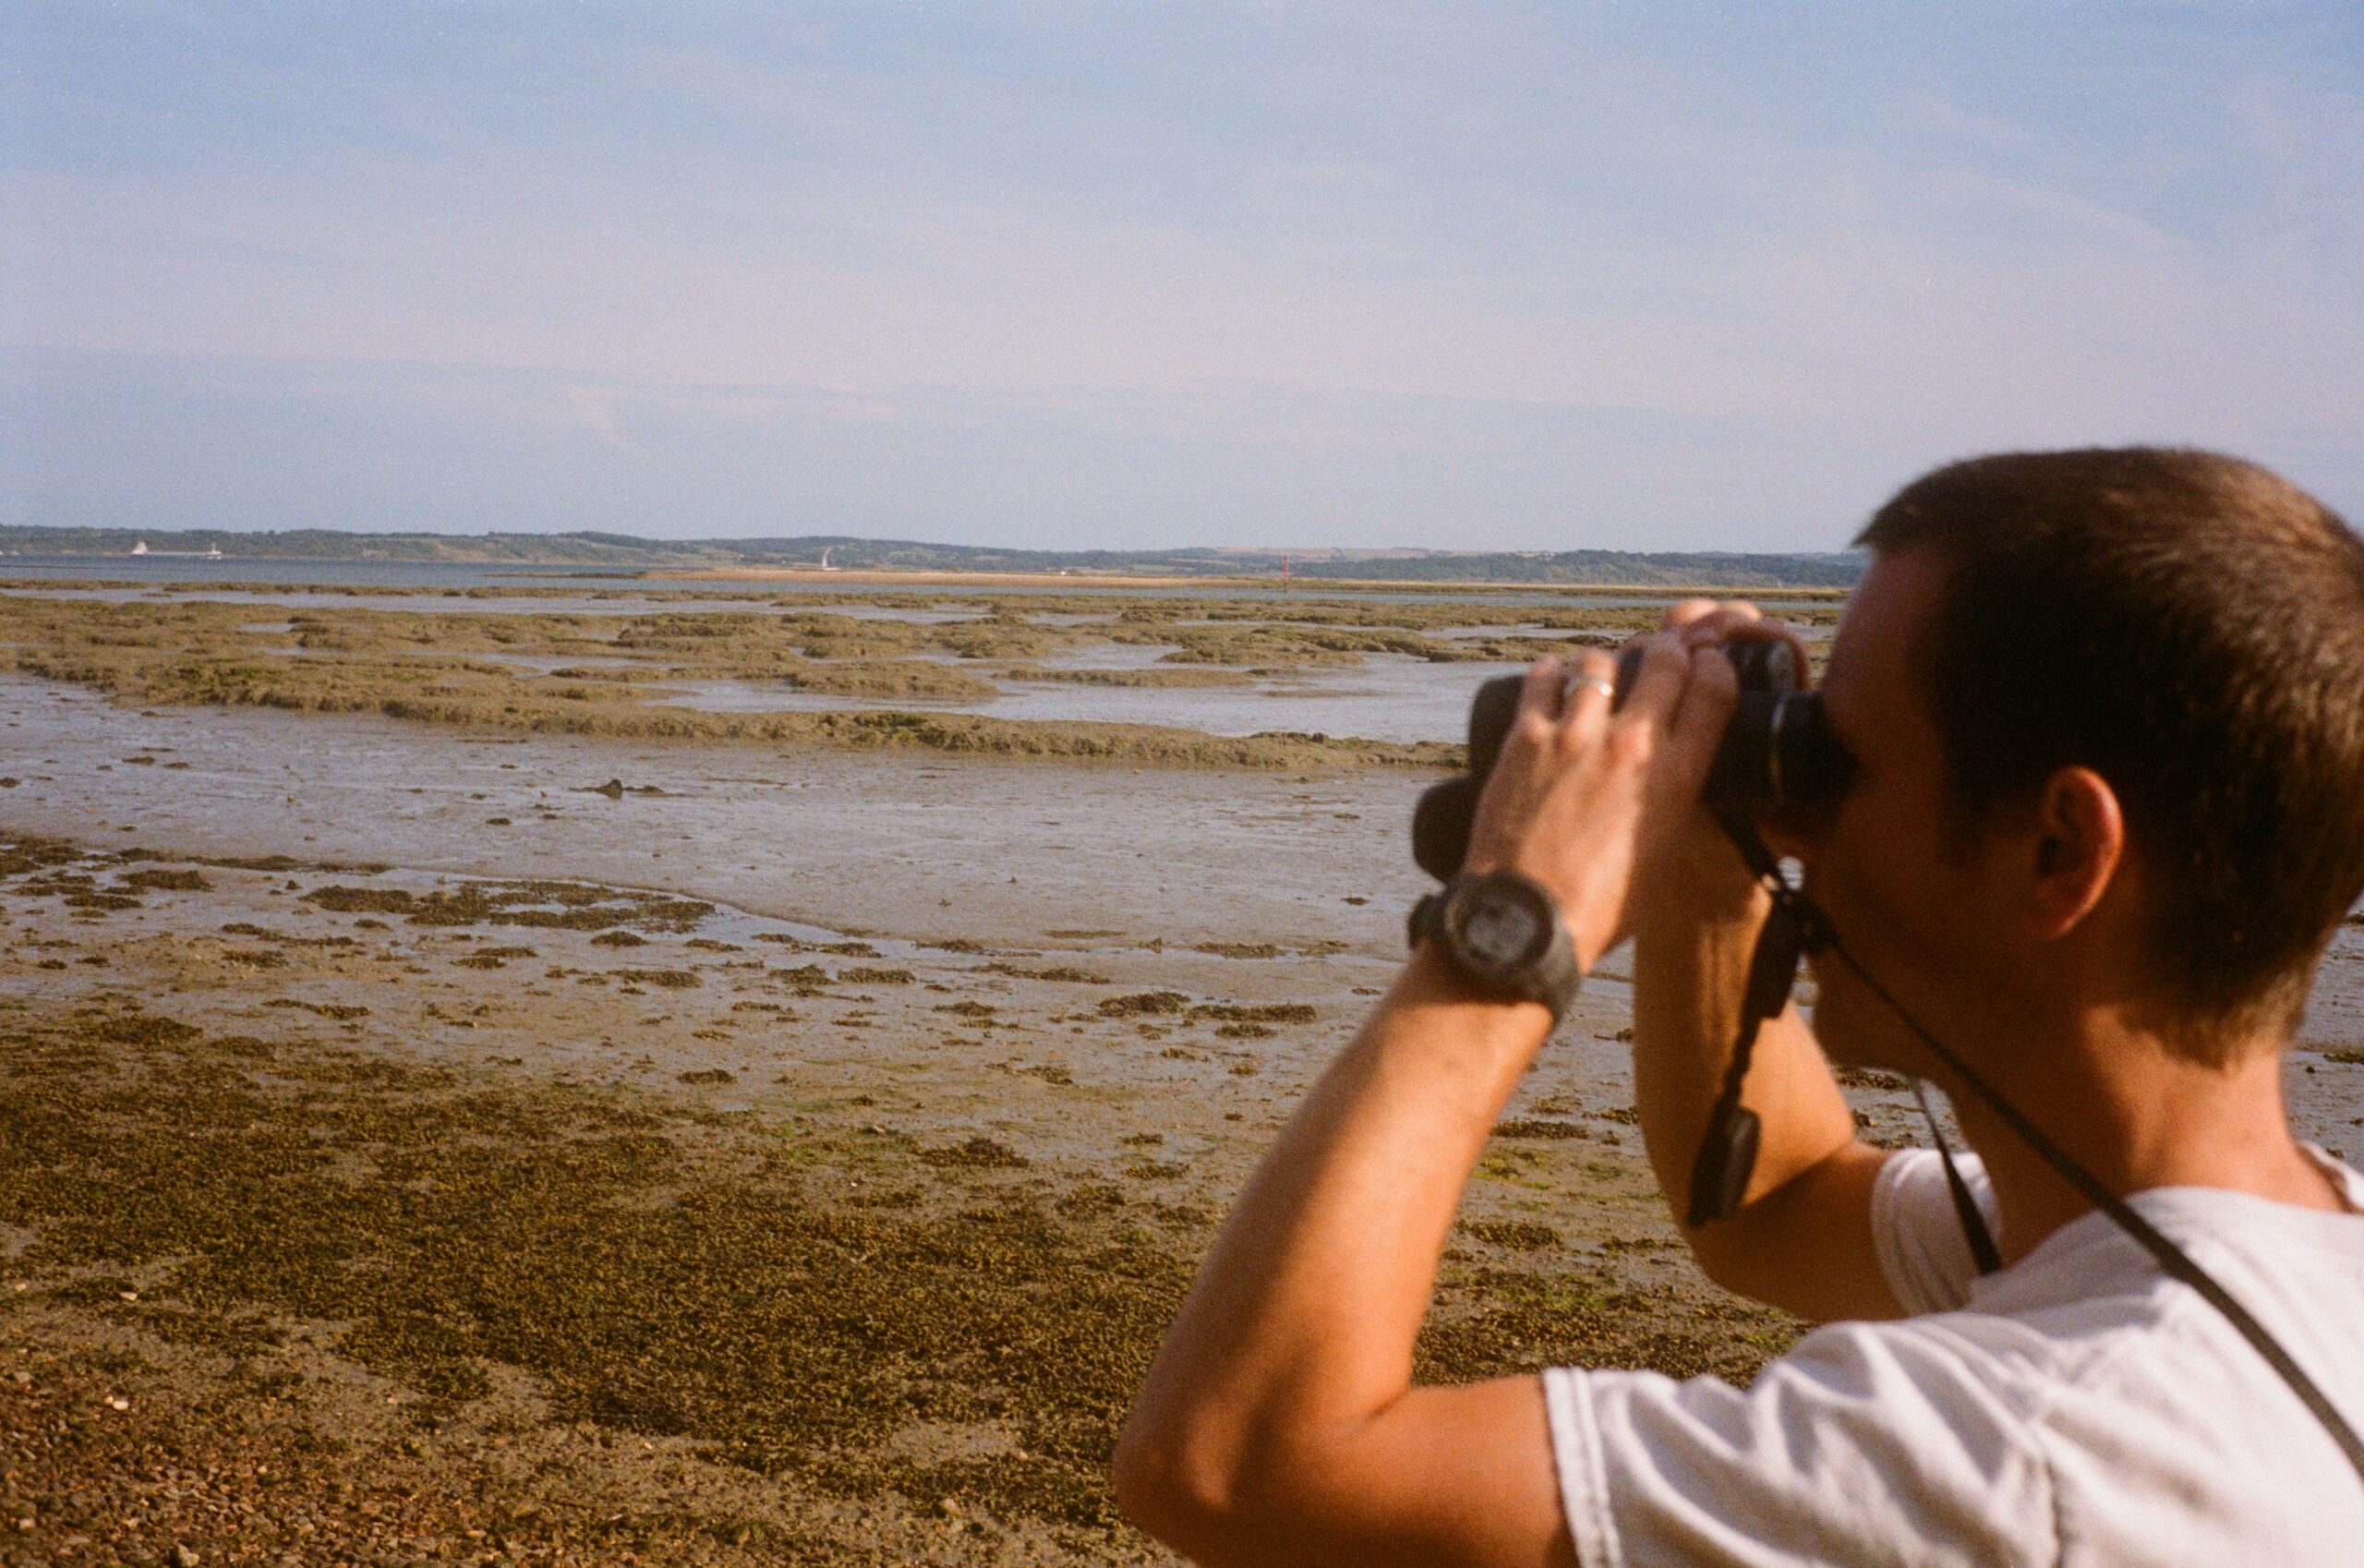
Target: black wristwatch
point(1502, 933)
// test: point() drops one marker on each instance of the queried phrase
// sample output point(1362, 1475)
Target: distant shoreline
point(816, 558)
point(878, 578)
point(872, 577)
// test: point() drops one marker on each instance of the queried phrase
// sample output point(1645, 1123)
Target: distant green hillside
point(622, 551)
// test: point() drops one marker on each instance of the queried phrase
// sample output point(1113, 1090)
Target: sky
point(1643, 276)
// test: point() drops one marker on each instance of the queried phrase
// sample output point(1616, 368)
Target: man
point(2107, 714)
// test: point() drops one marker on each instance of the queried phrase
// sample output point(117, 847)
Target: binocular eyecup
point(1777, 750)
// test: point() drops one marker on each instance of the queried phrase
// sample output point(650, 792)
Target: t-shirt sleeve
point(1917, 1234)
point(1867, 1444)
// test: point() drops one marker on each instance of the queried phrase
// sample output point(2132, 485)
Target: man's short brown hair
point(2191, 627)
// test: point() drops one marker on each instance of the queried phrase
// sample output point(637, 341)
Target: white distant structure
point(825, 558)
point(139, 549)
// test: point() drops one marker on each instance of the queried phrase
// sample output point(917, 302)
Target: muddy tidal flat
point(469, 1093)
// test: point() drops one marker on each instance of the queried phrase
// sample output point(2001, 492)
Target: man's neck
point(2138, 1117)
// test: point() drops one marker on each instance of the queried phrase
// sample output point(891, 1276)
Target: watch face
point(1502, 931)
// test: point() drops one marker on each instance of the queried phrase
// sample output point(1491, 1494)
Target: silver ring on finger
point(1579, 683)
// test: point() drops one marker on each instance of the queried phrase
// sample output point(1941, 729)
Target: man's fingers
point(1658, 685)
point(1708, 634)
point(1686, 613)
point(1591, 688)
point(1727, 621)
point(1701, 716)
point(1538, 694)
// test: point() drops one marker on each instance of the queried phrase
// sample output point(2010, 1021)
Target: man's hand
point(1582, 799)
point(1279, 1424)
point(1704, 880)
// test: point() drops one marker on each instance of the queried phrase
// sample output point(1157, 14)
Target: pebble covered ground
point(359, 1218)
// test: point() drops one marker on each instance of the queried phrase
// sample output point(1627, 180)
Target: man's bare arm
point(1278, 1424)
point(1802, 1239)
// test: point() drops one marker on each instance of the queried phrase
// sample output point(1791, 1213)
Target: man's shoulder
point(2088, 1275)
point(2272, 1256)
point(2090, 1295)
point(2088, 1398)
point(1864, 1438)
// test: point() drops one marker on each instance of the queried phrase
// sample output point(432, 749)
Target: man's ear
point(2080, 844)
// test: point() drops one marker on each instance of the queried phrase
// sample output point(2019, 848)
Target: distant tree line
point(625, 551)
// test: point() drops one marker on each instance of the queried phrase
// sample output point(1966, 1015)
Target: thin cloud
point(1525, 277)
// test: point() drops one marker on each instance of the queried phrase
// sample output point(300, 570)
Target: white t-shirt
point(2079, 1408)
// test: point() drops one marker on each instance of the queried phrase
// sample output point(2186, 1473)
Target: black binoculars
point(1778, 750)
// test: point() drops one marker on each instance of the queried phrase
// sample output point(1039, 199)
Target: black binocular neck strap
point(1982, 1250)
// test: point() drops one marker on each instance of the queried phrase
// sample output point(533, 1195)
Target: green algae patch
point(1535, 1127)
point(1050, 739)
point(1521, 1235)
point(893, 678)
point(978, 1153)
point(340, 899)
point(1261, 1012)
point(1518, 1318)
point(1068, 974)
point(1163, 678)
point(654, 1273)
point(663, 979)
point(1144, 1003)
point(160, 880)
point(570, 906)
point(483, 671)
point(661, 1271)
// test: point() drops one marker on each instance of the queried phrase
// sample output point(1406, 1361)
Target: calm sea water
point(458, 577)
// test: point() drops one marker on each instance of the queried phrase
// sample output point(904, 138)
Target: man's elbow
point(1757, 1255)
point(1163, 1487)
point(1733, 1267)
point(1179, 1489)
